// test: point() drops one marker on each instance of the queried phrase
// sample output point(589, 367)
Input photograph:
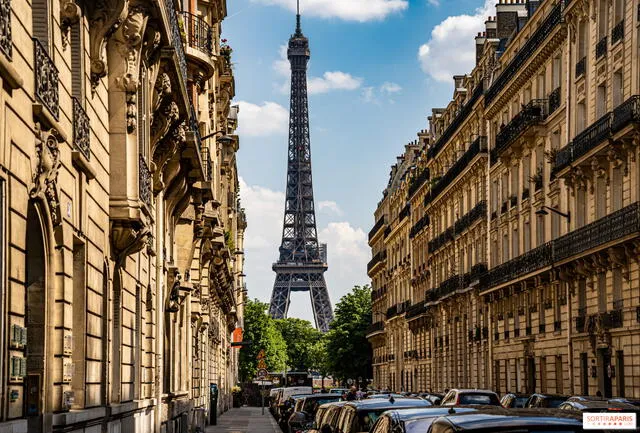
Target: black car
point(286, 409)
point(510, 420)
point(433, 397)
point(356, 417)
point(546, 400)
point(514, 400)
point(597, 404)
point(327, 417)
point(305, 410)
point(414, 420)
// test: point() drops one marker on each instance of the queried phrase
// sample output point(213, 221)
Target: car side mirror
point(326, 429)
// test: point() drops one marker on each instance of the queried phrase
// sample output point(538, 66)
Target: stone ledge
point(81, 161)
point(43, 115)
point(9, 73)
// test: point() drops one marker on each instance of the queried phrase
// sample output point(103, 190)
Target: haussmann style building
point(121, 232)
point(505, 248)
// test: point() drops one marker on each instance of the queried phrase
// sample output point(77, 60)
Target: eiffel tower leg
point(280, 297)
point(322, 311)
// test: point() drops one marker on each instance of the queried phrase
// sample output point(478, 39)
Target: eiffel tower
point(303, 261)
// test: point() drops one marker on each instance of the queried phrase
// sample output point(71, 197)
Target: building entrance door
point(604, 372)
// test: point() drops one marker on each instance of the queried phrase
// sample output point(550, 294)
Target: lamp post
point(544, 208)
point(225, 139)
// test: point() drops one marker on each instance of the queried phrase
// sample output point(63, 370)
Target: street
point(245, 420)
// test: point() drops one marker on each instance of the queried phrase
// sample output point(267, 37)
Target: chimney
point(507, 17)
point(458, 81)
point(532, 6)
point(491, 26)
point(480, 40)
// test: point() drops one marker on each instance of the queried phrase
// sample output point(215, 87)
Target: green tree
point(261, 331)
point(300, 336)
point(319, 358)
point(347, 348)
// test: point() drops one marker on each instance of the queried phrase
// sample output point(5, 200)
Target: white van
point(285, 393)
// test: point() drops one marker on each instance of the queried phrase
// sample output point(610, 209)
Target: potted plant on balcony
point(225, 51)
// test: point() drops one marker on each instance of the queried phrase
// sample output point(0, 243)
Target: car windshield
point(520, 401)
point(479, 399)
point(555, 402)
point(311, 405)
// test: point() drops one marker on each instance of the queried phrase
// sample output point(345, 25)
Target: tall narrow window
point(505, 247)
point(581, 117)
point(616, 189)
point(601, 101)
point(602, 292)
point(541, 84)
point(618, 11)
point(617, 289)
point(527, 237)
point(601, 197)
point(515, 242)
point(581, 207)
point(540, 236)
point(556, 77)
point(582, 297)
point(79, 322)
point(603, 19)
point(543, 374)
point(617, 88)
point(41, 10)
point(559, 375)
point(583, 39)
point(584, 373)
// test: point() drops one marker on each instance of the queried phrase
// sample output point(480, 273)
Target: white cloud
point(269, 118)
point(451, 49)
point(348, 252)
point(368, 95)
point(388, 87)
point(348, 10)
point(329, 207)
point(332, 81)
point(434, 2)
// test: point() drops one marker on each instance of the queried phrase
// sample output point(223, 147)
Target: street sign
point(262, 374)
point(262, 364)
point(350, 381)
point(261, 354)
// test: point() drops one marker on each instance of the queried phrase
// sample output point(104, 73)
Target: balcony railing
point(607, 320)
point(456, 123)
point(478, 146)
point(625, 113)
point(415, 310)
point(176, 39)
point(6, 42)
point(619, 224)
point(479, 211)
point(526, 263)
point(418, 226)
point(206, 164)
point(46, 79)
point(380, 257)
point(526, 52)
point(199, 32)
point(601, 48)
point(531, 114)
point(375, 327)
point(398, 309)
point(405, 212)
point(617, 33)
point(376, 227)
point(81, 130)
point(440, 240)
point(581, 67)
point(554, 100)
point(144, 181)
point(378, 293)
point(417, 182)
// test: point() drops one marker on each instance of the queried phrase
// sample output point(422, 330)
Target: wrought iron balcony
point(526, 52)
point(478, 146)
point(405, 212)
point(554, 100)
point(440, 241)
point(525, 194)
point(415, 310)
point(144, 181)
point(526, 263)
point(199, 33)
point(378, 293)
point(479, 211)
point(617, 33)
point(176, 39)
point(376, 227)
point(456, 123)
point(625, 113)
point(398, 309)
point(206, 164)
point(601, 48)
point(375, 327)
point(447, 287)
point(387, 231)
point(418, 226)
point(378, 258)
point(417, 181)
point(531, 114)
point(81, 130)
point(46, 80)
point(6, 42)
point(584, 142)
point(614, 226)
point(581, 67)
point(607, 320)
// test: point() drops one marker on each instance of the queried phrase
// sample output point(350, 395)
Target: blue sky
point(377, 69)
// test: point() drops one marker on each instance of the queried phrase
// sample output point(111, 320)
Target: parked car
point(632, 401)
point(514, 400)
point(287, 409)
point(327, 417)
point(305, 411)
point(272, 400)
point(597, 404)
point(509, 420)
point(386, 396)
point(356, 417)
point(434, 398)
point(285, 393)
point(456, 397)
point(546, 400)
point(338, 390)
point(413, 420)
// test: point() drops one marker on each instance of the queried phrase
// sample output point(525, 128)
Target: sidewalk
point(245, 420)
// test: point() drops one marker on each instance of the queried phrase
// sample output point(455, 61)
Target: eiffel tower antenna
point(303, 259)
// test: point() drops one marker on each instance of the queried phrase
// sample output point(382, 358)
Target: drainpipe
point(567, 112)
point(159, 307)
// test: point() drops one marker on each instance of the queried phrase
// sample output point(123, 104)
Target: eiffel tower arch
point(303, 260)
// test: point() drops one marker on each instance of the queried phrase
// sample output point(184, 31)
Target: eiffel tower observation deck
point(303, 260)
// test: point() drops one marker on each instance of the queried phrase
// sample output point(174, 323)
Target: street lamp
point(544, 208)
point(225, 139)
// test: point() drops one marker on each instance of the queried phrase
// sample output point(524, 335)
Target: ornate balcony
point(524, 264)
point(405, 212)
point(81, 130)
point(378, 293)
point(604, 321)
point(601, 48)
point(46, 80)
point(144, 182)
point(581, 67)
point(416, 310)
point(617, 225)
point(625, 113)
point(376, 228)
point(479, 211)
point(478, 146)
point(617, 33)
point(387, 231)
point(398, 309)
point(531, 114)
point(440, 240)
point(176, 40)
point(418, 181)
point(554, 100)
point(456, 123)
point(418, 226)
point(206, 164)
point(526, 52)
point(6, 42)
point(375, 328)
point(377, 259)
point(584, 142)
point(199, 33)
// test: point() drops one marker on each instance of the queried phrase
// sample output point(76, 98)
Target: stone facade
point(121, 229)
point(524, 213)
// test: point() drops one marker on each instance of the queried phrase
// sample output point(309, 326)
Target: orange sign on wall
point(237, 336)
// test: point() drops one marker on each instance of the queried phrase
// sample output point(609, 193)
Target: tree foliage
point(300, 336)
point(262, 332)
point(348, 353)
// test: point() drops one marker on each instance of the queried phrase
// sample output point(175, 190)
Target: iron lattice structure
point(303, 261)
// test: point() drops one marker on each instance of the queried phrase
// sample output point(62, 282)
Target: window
point(603, 19)
point(618, 11)
point(505, 248)
point(602, 292)
point(540, 230)
point(543, 374)
point(617, 289)
point(526, 237)
point(601, 101)
point(601, 197)
point(581, 207)
point(583, 39)
point(541, 85)
point(559, 375)
point(556, 72)
point(616, 189)
point(42, 22)
point(617, 88)
point(581, 117)
point(515, 242)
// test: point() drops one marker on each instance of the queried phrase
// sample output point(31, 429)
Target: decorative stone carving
point(45, 176)
point(163, 120)
point(69, 15)
point(128, 238)
point(104, 17)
